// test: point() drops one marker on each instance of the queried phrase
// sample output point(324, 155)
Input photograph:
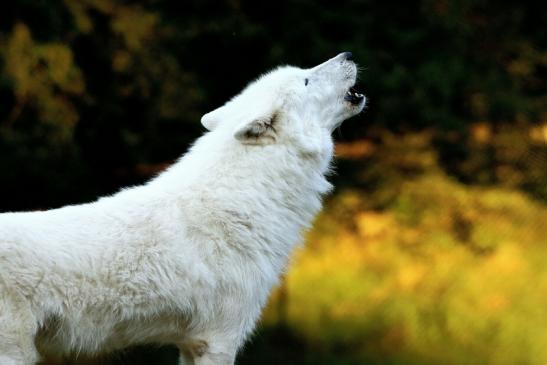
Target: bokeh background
point(432, 249)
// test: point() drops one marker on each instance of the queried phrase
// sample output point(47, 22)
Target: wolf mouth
point(353, 96)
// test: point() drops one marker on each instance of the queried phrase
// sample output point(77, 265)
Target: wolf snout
point(348, 56)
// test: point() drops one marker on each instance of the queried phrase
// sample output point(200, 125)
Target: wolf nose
point(348, 56)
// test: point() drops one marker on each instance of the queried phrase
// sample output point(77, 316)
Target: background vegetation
point(432, 249)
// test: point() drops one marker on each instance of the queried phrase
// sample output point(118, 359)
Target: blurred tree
point(109, 83)
point(94, 82)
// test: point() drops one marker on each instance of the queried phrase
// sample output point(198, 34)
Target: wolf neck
point(266, 195)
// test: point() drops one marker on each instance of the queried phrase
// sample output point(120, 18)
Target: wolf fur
point(190, 257)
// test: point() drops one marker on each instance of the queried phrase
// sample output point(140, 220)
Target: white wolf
point(190, 257)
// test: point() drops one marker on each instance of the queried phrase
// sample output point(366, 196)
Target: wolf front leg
point(17, 348)
point(17, 329)
point(207, 352)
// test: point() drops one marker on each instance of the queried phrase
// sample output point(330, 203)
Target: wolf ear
point(258, 132)
point(212, 119)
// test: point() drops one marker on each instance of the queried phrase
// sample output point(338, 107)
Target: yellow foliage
point(20, 58)
point(78, 10)
point(373, 224)
point(121, 61)
point(134, 25)
point(447, 274)
point(37, 70)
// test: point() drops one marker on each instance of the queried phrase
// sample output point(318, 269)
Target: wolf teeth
point(349, 93)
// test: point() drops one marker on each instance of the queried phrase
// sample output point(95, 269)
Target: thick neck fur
point(261, 197)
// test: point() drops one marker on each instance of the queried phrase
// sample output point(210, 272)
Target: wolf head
point(290, 100)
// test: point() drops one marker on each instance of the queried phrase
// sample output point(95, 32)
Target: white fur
point(190, 257)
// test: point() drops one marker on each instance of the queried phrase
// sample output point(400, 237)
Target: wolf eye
point(306, 82)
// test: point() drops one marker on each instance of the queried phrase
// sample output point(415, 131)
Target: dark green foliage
point(111, 84)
